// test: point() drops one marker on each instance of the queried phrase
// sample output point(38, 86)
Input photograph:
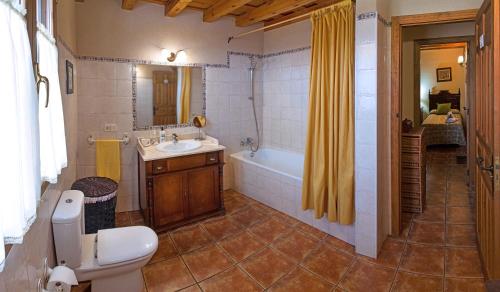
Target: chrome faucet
point(246, 142)
point(175, 138)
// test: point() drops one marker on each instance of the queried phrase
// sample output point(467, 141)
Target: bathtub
point(274, 177)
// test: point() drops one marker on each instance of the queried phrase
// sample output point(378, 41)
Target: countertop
point(150, 153)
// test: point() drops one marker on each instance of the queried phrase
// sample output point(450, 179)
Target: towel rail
point(125, 139)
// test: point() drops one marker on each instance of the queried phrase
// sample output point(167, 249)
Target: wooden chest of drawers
point(413, 171)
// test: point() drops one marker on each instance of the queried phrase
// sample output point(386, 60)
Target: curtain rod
point(278, 23)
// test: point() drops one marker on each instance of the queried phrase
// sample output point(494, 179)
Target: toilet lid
point(118, 245)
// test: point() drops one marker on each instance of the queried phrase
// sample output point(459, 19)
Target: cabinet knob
point(159, 167)
point(212, 159)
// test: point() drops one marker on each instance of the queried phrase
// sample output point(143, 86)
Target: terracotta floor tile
point(340, 244)
point(169, 275)
point(122, 219)
point(206, 262)
point(267, 267)
point(364, 276)
point(461, 235)
point(427, 232)
point(166, 249)
point(232, 280)
point(301, 280)
point(270, 230)
point(464, 285)
point(296, 245)
point(435, 199)
point(389, 255)
point(459, 215)
point(423, 259)
point(234, 205)
point(241, 246)
point(457, 187)
point(194, 288)
point(329, 263)
point(436, 187)
point(285, 219)
point(221, 227)
point(248, 217)
point(457, 199)
point(311, 231)
point(463, 262)
point(431, 214)
point(190, 238)
point(413, 282)
point(263, 208)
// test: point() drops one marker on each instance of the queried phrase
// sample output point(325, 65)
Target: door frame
point(398, 23)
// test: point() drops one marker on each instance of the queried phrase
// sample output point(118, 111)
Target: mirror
point(167, 95)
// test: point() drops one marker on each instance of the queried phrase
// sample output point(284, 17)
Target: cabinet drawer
point(186, 162)
point(212, 158)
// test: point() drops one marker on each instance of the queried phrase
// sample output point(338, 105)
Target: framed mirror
point(167, 96)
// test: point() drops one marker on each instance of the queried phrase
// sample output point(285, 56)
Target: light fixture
point(461, 60)
point(171, 56)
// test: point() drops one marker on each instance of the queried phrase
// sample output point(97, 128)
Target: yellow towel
point(107, 157)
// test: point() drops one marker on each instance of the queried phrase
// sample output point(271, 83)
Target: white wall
point(104, 29)
point(296, 35)
point(409, 7)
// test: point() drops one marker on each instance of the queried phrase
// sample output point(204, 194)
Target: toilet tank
point(67, 227)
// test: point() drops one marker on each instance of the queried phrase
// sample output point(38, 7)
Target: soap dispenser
point(163, 135)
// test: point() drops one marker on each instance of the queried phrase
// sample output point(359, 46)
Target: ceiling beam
point(221, 8)
point(295, 15)
point(128, 4)
point(174, 7)
point(268, 10)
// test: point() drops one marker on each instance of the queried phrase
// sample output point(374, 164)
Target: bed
point(437, 131)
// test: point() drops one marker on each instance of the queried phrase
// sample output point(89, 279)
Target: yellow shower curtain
point(185, 95)
point(328, 182)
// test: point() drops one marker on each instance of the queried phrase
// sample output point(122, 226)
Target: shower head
point(253, 63)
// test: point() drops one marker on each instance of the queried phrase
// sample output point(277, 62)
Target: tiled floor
point(255, 248)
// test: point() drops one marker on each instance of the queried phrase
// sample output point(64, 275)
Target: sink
point(179, 147)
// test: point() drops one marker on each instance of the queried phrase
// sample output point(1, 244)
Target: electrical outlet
point(110, 127)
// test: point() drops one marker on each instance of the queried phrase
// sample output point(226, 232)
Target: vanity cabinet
point(180, 190)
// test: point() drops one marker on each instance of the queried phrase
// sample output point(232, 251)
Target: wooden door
point(487, 138)
point(203, 190)
point(169, 199)
point(165, 97)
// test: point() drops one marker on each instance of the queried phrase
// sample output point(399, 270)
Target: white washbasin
point(179, 147)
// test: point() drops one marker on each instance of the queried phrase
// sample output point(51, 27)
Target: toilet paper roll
point(61, 279)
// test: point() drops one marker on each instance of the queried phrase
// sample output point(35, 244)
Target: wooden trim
point(398, 22)
point(496, 126)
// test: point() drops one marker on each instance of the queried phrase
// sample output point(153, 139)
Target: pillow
point(443, 108)
point(434, 111)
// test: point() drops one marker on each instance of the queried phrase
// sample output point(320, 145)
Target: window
point(33, 123)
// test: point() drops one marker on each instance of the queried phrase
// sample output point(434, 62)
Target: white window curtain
point(19, 166)
point(52, 137)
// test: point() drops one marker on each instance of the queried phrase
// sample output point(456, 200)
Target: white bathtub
point(274, 177)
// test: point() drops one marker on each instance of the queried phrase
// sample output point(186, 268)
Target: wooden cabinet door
point(203, 190)
point(487, 139)
point(169, 199)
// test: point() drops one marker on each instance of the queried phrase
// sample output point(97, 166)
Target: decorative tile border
point(135, 62)
point(372, 14)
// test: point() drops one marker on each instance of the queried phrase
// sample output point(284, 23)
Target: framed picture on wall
point(443, 74)
point(69, 78)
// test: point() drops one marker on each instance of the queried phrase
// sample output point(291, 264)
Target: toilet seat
point(124, 244)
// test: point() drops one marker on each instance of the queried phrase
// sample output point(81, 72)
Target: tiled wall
point(105, 97)
point(286, 88)
point(228, 109)
point(24, 262)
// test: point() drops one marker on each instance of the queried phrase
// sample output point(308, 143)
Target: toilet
point(111, 258)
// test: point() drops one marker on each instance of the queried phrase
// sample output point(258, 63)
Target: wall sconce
point(172, 56)
point(461, 61)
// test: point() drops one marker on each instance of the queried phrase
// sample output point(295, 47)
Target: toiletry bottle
point(163, 135)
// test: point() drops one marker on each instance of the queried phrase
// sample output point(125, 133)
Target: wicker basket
point(100, 202)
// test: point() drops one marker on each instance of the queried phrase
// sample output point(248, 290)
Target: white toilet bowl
point(111, 259)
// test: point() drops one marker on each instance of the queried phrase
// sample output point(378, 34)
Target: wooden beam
point(221, 8)
point(128, 4)
point(302, 11)
point(174, 7)
point(268, 10)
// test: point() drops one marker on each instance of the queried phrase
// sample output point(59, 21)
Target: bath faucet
point(175, 138)
point(246, 142)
